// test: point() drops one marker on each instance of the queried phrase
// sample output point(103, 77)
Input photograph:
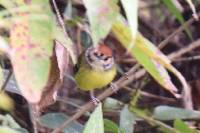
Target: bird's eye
point(96, 54)
point(101, 54)
point(106, 58)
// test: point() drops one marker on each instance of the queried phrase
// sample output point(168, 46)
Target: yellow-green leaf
point(131, 9)
point(101, 14)
point(32, 45)
point(4, 129)
point(147, 55)
point(95, 123)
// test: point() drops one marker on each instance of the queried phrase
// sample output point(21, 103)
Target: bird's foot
point(114, 87)
point(94, 99)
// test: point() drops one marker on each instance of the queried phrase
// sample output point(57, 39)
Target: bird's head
point(100, 57)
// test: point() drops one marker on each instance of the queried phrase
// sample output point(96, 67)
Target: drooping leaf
point(183, 128)
point(53, 120)
point(101, 14)
point(32, 44)
point(172, 8)
point(95, 122)
point(131, 9)
point(146, 54)
point(172, 113)
point(127, 120)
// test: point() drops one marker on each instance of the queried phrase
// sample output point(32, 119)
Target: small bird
point(96, 70)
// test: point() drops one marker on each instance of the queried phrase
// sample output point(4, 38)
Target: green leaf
point(110, 126)
point(53, 120)
point(95, 122)
point(172, 8)
point(32, 45)
point(131, 9)
point(127, 120)
point(146, 54)
point(4, 129)
point(183, 128)
point(111, 103)
point(101, 14)
point(172, 113)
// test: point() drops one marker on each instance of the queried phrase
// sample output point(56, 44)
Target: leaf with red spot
point(31, 41)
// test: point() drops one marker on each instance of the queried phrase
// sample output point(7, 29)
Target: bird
point(96, 69)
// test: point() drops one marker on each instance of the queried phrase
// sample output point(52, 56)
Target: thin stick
point(60, 20)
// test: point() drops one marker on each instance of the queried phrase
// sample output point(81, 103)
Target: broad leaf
point(95, 122)
point(172, 113)
point(101, 14)
point(127, 120)
point(32, 44)
point(146, 54)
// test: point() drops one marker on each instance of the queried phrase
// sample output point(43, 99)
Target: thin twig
point(143, 93)
point(191, 58)
point(60, 20)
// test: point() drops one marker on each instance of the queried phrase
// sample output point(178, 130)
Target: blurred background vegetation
point(155, 44)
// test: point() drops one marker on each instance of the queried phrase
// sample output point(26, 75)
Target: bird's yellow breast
point(89, 79)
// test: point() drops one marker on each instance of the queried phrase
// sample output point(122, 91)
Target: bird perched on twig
point(96, 69)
